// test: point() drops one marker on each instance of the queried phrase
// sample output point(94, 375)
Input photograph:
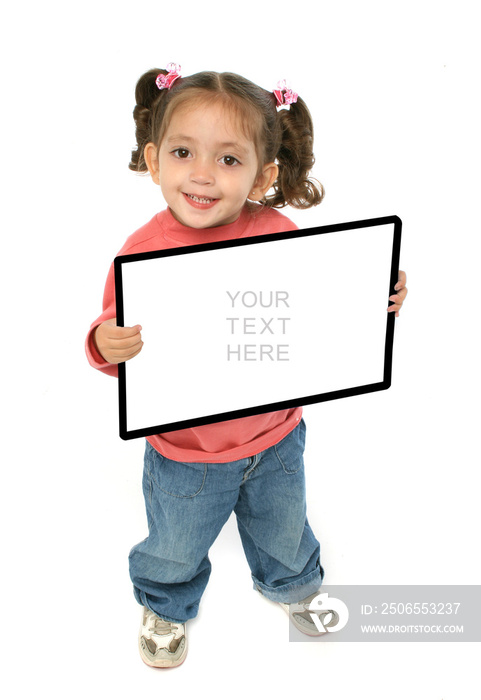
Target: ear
point(152, 161)
point(264, 181)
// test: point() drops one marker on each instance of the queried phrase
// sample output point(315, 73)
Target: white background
point(393, 489)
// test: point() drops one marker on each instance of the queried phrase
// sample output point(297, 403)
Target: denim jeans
point(187, 506)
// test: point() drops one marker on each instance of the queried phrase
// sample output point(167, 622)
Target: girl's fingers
point(401, 280)
point(394, 307)
point(126, 343)
point(120, 332)
point(126, 354)
point(398, 298)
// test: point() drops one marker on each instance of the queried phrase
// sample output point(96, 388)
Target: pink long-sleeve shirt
point(219, 442)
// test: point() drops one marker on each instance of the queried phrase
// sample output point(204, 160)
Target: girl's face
point(206, 167)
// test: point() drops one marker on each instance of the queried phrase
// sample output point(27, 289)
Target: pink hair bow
point(284, 95)
point(165, 82)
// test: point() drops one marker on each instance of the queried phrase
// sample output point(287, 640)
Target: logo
point(328, 614)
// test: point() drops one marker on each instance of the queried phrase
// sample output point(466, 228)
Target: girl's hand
point(116, 343)
point(398, 298)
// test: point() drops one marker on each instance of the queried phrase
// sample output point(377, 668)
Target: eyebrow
point(181, 138)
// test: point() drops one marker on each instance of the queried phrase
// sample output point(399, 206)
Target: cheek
point(247, 179)
point(168, 173)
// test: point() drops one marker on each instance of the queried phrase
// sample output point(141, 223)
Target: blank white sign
point(253, 325)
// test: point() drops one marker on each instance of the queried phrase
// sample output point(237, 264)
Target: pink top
point(219, 442)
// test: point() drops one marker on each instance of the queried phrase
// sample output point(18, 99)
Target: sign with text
point(251, 325)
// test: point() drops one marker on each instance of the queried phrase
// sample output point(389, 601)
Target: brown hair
point(284, 136)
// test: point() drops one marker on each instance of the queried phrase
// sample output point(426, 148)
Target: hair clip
point(284, 95)
point(165, 82)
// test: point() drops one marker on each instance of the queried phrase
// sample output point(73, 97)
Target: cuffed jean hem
point(143, 599)
point(291, 592)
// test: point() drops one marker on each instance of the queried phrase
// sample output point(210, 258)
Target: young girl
point(225, 153)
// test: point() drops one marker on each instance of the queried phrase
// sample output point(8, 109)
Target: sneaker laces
point(162, 627)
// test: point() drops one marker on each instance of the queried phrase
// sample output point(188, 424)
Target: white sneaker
point(162, 644)
point(300, 615)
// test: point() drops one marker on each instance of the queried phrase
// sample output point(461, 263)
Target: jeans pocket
point(290, 450)
point(179, 479)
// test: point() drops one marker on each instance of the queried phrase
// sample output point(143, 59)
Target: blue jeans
point(187, 506)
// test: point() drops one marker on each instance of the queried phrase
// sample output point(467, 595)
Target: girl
point(226, 154)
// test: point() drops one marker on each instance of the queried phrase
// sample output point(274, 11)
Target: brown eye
point(181, 153)
point(229, 160)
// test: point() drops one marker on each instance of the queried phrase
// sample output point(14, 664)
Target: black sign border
point(121, 260)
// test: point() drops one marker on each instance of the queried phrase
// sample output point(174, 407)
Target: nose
point(201, 172)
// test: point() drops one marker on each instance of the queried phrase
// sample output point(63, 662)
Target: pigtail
point(147, 97)
point(295, 158)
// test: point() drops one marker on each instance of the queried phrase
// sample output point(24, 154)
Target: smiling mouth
point(200, 200)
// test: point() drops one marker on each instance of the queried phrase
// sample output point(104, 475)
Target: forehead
point(214, 118)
